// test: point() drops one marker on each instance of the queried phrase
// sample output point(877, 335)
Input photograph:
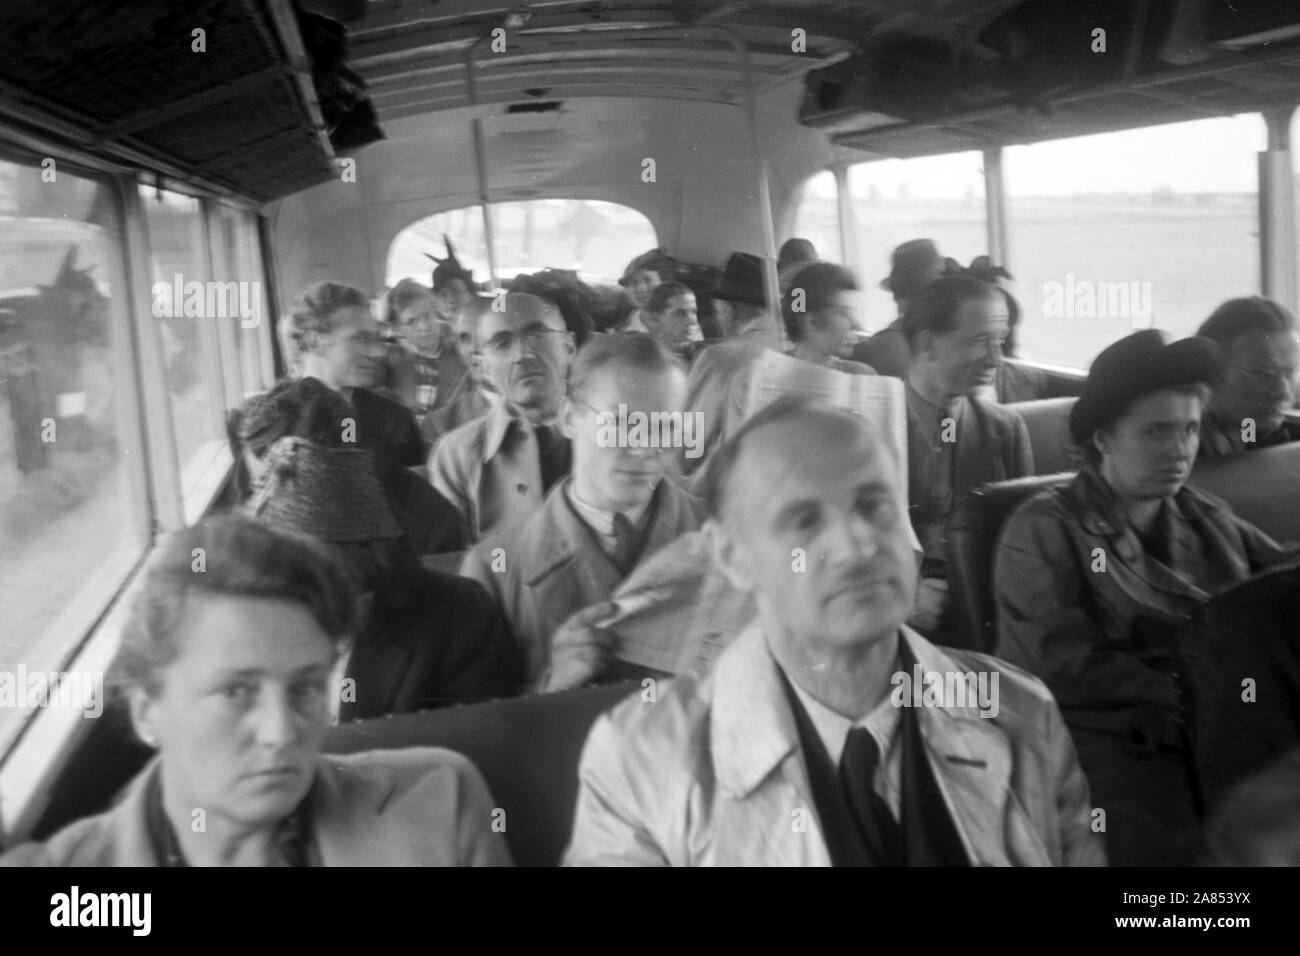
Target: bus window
point(244, 256)
point(1122, 231)
point(894, 200)
point(71, 523)
point(178, 259)
point(597, 239)
point(817, 217)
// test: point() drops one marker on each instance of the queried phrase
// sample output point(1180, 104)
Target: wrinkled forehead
point(351, 318)
point(522, 311)
point(977, 316)
point(812, 456)
point(1277, 348)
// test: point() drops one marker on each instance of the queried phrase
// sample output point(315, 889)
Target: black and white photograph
point(651, 433)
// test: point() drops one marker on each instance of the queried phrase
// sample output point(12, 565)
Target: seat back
point(1262, 486)
point(973, 533)
point(527, 749)
point(1048, 421)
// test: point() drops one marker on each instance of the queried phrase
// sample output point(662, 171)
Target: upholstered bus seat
point(526, 748)
point(1049, 433)
point(1263, 487)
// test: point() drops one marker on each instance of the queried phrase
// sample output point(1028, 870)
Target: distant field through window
point(596, 239)
point(1143, 228)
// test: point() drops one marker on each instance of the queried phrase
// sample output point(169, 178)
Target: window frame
point(160, 499)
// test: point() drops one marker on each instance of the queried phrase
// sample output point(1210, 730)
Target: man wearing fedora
point(914, 265)
point(1097, 580)
point(718, 387)
point(497, 469)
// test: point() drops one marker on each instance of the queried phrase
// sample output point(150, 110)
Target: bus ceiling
point(270, 94)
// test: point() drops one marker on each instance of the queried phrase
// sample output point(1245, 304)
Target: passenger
point(497, 469)
point(718, 384)
point(955, 440)
point(227, 674)
point(426, 639)
point(1259, 823)
point(914, 265)
point(819, 309)
point(424, 367)
point(672, 318)
point(616, 508)
point(1258, 384)
point(771, 756)
point(563, 289)
point(1014, 382)
point(340, 345)
point(307, 408)
point(1096, 580)
point(794, 255)
point(453, 286)
point(472, 397)
point(641, 277)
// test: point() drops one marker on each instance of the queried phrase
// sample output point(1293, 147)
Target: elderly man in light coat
point(828, 733)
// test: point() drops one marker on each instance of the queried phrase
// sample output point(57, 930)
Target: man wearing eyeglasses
point(618, 507)
point(497, 469)
point(1257, 387)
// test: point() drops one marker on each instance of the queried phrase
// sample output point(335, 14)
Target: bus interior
point(275, 143)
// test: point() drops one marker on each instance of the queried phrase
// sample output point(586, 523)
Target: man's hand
point(931, 601)
point(579, 652)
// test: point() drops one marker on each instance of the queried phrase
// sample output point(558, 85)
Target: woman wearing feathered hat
point(1095, 582)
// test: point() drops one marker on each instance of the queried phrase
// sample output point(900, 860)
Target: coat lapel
point(769, 813)
point(972, 763)
point(344, 809)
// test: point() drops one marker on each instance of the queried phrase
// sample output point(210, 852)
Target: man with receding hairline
point(794, 748)
point(498, 468)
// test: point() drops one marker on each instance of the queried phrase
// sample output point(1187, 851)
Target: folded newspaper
point(676, 612)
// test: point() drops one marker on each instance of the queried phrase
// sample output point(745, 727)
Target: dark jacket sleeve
point(481, 659)
point(1044, 624)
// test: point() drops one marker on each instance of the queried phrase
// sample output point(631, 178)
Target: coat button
point(522, 489)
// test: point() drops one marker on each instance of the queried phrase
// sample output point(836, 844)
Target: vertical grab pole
point(770, 284)
point(480, 161)
point(1277, 233)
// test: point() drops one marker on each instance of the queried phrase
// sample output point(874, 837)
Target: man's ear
point(568, 410)
point(144, 715)
point(927, 343)
point(729, 555)
point(1101, 440)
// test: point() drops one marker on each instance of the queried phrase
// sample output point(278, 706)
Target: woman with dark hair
point(1096, 582)
point(226, 664)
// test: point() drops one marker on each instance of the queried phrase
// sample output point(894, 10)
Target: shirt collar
point(600, 520)
point(882, 722)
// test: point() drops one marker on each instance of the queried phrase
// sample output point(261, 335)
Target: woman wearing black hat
point(1096, 580)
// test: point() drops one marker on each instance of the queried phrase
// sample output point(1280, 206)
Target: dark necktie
point(552, 455)
point(627, 543)
point(871, 813)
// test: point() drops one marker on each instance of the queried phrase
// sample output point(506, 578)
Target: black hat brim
point(1111, 389)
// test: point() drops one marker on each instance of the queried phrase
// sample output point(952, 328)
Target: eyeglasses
point(503, 343)
point(1265, 375)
